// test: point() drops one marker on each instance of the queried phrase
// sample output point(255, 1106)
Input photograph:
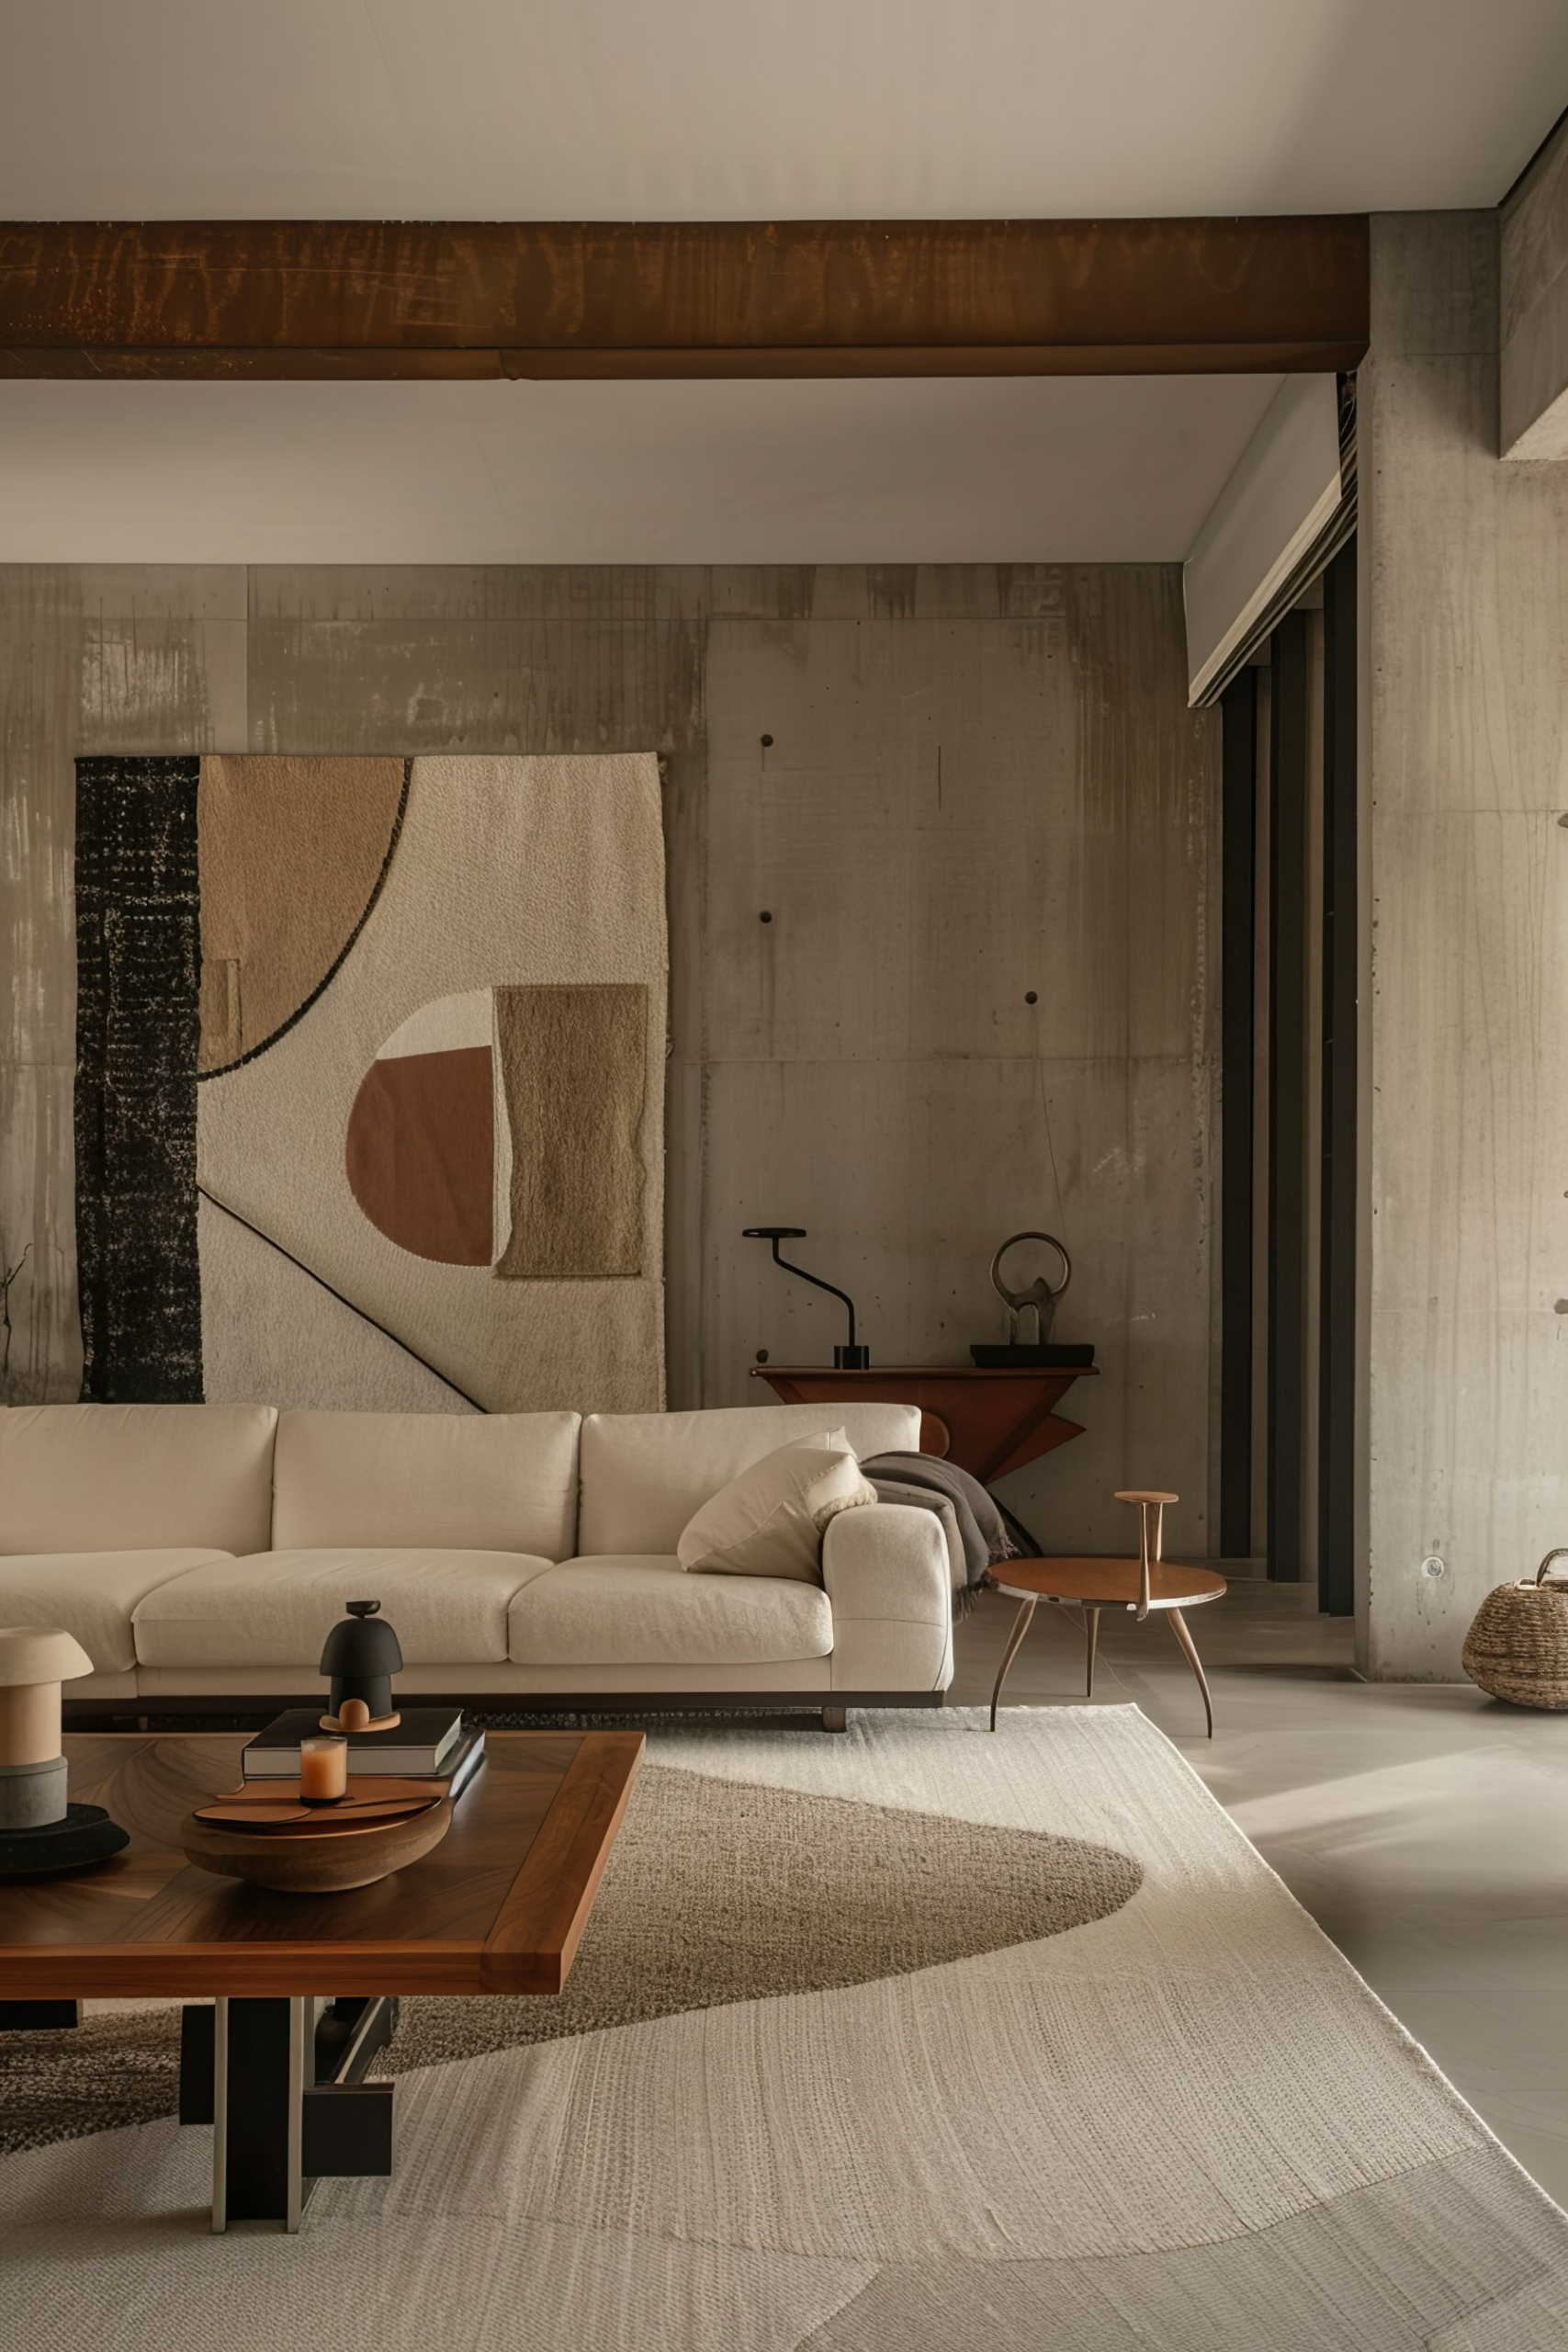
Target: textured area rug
point(915, 2038)
point(758, 1892)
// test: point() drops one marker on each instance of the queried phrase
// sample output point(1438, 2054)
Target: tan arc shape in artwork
point(290, 854)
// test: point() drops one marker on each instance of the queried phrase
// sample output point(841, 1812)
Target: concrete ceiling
point(1108, 469)
point(616, 110)
point(619, 109)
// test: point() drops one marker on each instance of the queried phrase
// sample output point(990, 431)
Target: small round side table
point(1143, 1587)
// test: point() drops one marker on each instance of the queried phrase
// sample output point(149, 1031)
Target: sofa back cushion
point(475, 1482)
point(136, 1477)
point(644, 1474)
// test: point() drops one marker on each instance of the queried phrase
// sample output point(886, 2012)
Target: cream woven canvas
point(370, 1102)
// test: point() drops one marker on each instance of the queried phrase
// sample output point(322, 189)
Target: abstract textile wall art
point(370, 1081)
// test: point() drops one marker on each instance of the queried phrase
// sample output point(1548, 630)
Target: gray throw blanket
point(979, 1532)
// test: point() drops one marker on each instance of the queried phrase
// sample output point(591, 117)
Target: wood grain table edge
point(237, 1970)
point(534, 1938)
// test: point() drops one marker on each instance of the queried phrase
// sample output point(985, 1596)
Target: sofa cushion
point(643, 1609)
point(136, 1477)
point(92, 1594)
point(448, 1606)
point(643, 1474)
point(471, 1482)
point(770, 1521)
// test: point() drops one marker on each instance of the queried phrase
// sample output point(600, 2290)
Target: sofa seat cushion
point(92, 1594)
point(136, 1477)
point(643, 1609)
point(277, 1607)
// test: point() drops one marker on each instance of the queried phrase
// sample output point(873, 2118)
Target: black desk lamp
point(851, 1358)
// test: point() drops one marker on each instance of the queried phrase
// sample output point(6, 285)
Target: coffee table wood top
point(498, 1906)
point(1107, 1583)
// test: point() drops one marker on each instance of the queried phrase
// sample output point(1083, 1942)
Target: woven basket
point(1517, 1648)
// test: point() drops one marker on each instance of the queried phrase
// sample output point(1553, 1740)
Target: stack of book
point(427, 1743)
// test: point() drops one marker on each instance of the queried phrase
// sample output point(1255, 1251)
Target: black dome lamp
point(852, 1358)
point(362, 1654)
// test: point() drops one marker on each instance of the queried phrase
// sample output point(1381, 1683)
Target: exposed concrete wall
point(1465, 707)
point(983, 783)
point(1533, 320)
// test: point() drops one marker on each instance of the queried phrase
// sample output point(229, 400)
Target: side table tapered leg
point(1021, 1627)
point(1092, 1641)
point(1178, 1627)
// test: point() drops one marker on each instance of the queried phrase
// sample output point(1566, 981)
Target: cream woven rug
point(1010, 2041)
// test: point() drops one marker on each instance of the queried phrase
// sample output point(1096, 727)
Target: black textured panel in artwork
point(138, 1031)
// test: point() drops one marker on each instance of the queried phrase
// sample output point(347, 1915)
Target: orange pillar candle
point(323, 1769)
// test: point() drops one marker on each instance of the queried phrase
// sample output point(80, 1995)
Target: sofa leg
point(835, 1719)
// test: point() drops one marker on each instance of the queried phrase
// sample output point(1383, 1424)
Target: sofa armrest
point(886, 1569)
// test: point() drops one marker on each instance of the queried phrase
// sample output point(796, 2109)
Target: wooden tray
point(268, 1809)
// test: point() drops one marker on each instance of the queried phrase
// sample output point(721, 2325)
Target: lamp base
point(32, 1796)
point(87, 1835)
point(856, 1359)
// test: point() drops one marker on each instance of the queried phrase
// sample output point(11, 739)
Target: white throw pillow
point(769, 1521)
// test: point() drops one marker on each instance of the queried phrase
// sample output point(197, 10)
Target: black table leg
point(288, 2103)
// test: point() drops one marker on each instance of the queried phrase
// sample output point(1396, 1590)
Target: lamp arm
point(816, 1280)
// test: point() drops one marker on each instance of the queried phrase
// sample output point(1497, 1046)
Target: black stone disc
point(87, 1835)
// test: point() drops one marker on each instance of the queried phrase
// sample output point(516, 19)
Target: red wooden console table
point(988, 1421)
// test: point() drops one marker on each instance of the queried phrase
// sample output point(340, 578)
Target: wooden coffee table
point(278, 2064)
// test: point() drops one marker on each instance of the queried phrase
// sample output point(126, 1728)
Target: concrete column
point(1464, 574)
point(1533, 322)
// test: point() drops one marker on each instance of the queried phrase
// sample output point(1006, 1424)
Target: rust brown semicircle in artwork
point(419, 1151)
point(291, 857)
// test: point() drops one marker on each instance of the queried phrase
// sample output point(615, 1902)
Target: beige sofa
point(201, 1552)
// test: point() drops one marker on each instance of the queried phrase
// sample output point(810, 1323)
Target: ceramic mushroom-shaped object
point(361, 1656)
point(34, 1661)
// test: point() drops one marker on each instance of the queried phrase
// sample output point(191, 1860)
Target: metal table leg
point(281, 2083)
point(39, 2017)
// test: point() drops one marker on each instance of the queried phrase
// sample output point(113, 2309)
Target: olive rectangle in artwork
point(573, 1079)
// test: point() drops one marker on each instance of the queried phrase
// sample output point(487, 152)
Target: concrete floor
point(1423, 1827)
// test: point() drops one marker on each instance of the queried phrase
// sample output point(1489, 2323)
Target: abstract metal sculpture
point(1039, 1294)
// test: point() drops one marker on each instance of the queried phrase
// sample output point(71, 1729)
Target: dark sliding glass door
point(1290, 967)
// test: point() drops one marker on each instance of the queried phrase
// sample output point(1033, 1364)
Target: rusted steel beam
point(490, 298)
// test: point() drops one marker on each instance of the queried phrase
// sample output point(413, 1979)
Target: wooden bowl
point(336, 1858)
